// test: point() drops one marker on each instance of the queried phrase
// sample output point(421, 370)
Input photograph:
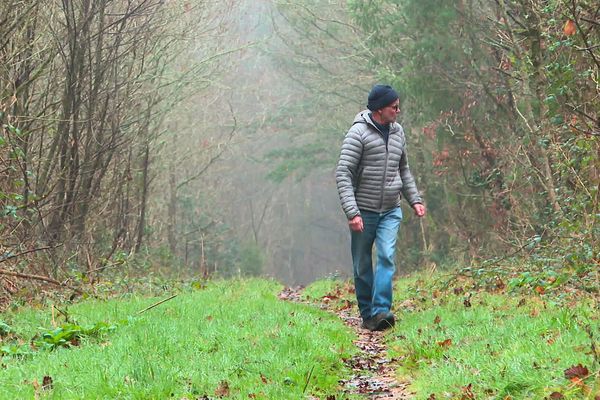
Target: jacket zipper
point(384, 166)
point(383, 180)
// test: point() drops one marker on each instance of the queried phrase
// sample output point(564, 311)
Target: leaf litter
point(374, 373)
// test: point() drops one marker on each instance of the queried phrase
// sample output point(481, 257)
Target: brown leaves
point(467, 392)
point(556, 396)
point(576, 371)
point(223, 389)
point(569, 28)
point(445, 343)
point(540, 289)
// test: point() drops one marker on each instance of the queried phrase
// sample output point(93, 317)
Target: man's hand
point(419, 209)
point(356, 224)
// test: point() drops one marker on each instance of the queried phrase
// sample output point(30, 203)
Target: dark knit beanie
point(381, 96)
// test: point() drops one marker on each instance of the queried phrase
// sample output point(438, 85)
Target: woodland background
point(200, 138)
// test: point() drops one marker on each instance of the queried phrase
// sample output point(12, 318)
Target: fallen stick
point(38, 278)
point(156, 304)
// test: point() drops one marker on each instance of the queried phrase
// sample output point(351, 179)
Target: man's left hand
point(419, 209)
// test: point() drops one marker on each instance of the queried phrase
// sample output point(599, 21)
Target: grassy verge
point(467, 340)
point(233, 339)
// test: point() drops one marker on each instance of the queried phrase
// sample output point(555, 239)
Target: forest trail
point(374, 373)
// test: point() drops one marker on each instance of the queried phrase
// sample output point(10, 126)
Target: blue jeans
point(374, 286)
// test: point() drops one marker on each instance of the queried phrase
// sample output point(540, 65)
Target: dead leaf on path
point(328, 298)
point(223, 389)
point(576, 371)
point(346, 304)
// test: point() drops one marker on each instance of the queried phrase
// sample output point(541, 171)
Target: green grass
point(506, 345)
point(233, 334)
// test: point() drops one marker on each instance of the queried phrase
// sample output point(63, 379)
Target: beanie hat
point(381, 96)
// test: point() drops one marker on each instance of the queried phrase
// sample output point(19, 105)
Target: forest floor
point(457, 337)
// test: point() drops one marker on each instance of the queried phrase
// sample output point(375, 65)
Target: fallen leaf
point(500, 284)
point(556, 396)
point(468, 392)
point(540, 289)
point(223, 389)
point(534, 313)
point(577, 381)
point(570, 28)
point(47, 382)
point(437, 320)
point(446, 343)
point(263, 378)
point(576, 371)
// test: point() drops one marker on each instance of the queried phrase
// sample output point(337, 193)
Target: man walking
point(371, 175)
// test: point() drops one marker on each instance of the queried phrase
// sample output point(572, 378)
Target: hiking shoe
point(379, 322)
point(368, 323)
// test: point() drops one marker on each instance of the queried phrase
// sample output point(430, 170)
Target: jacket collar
point(364, 117)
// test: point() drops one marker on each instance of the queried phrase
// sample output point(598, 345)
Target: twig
point(38, 278)
point(156, 304)
point(29, 251)
point(60, 311)
point(308, 379)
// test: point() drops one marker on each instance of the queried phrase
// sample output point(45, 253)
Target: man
point(371, 175)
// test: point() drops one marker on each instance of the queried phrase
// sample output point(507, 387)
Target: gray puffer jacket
point(371, 176)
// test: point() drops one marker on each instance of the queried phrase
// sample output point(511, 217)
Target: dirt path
point(374, 374)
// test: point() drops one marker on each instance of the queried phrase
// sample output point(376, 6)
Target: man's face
point(390, 113)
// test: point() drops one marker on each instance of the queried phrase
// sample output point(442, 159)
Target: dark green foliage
point(69, 334)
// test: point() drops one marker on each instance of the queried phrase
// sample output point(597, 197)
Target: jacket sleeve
point(346, 172)
point(409, 188)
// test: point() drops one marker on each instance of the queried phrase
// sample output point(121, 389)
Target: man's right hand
point(356, 224)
